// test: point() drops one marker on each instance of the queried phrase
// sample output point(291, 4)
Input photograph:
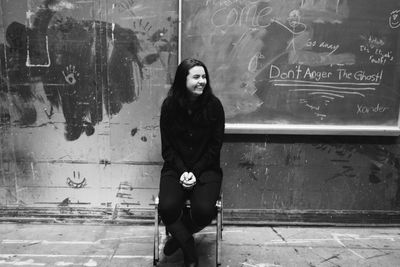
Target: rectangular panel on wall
point(300, 67)
point(9, 12)
point(142, 63)
point(82, 84)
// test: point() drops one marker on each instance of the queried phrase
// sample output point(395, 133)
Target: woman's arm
point(168, 153)
point(212, 152)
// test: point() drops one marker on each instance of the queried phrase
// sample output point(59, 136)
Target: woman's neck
point(192, 98)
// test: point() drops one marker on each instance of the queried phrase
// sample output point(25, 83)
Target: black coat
point(191, 140)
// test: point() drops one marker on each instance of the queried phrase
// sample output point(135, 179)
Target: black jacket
point(192, 142)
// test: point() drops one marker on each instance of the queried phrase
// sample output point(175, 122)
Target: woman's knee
point(169, 211)
point(203, 213)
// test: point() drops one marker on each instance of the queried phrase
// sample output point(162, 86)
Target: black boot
point(171, 246)
point(190, 260)
point(185, 240)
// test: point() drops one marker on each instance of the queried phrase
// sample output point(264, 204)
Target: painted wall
point(80, 90)
point(81, 87)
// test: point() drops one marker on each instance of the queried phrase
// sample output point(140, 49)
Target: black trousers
point(203, 197)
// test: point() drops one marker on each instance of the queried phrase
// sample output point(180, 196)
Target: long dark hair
point(178, 92)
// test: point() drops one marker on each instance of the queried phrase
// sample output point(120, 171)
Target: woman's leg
point(203, 199)
point(172, 199)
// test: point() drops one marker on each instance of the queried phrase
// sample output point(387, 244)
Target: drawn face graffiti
point(394, 19)
point(76, 181)
point(294, 18)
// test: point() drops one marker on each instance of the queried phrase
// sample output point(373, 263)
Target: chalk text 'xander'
point(362, 109)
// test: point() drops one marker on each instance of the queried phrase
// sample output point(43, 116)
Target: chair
point(218, 239)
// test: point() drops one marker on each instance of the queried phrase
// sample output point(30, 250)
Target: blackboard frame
point(307, 129)
point(298, 129)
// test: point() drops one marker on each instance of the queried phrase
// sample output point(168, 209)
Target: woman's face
point(196, 81)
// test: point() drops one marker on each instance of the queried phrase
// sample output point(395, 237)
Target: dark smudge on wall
point(86, 66)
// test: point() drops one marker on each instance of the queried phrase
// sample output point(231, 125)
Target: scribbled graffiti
point(125, 6)
point(159, 44)
point(134, 131)
point(125, 190)
point(125, 194)
point(379, 158)
point(88, 68)
point(65, 202)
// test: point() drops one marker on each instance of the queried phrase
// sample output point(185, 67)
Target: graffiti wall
point(80, 90)
point(81, 86)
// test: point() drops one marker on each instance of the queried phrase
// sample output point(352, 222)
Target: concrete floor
point(115, 245)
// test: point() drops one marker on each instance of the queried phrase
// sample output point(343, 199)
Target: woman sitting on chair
point(192, 127)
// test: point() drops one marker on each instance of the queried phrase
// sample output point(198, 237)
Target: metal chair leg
point(219, 232)
point(222, 213)
point(156, 252)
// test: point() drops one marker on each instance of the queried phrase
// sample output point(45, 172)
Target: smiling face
point(394, 19)
point(196, 81)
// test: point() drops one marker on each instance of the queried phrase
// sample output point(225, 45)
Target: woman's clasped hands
point(188, 180)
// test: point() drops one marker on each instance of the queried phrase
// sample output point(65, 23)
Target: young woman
point(192, 128)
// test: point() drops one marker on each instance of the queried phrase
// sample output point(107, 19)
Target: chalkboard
point(303, 67)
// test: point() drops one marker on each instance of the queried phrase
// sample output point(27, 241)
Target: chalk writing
point(360, 75)
point(230, 2)
point(376, 54)
point(394, 19)
point(253, 64)
point(331, 47)
point(316, 75)
point(373, 42)
point(315, 82)
point(328, 84)
point(235, 15)
point(300, 72)
point(362, 109)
